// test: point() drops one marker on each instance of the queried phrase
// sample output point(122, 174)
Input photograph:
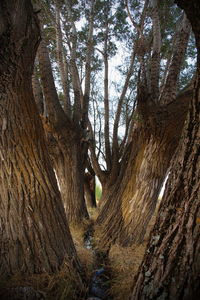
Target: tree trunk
point(135, 196)
point(34, 232)
point(70, 173)
point(89, 187)
point(106, 190)
point(170, 269)
point(38, 95)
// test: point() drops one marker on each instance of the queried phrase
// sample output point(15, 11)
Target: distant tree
point(171, 269)
point(34, 233)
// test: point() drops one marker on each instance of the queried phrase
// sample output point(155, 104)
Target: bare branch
point(137, 27)
point(129, 74)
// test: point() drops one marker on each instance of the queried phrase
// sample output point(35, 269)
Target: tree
point(156, 128)
point(67, 122)
point(64, 144)
point(34, 234)
point(170, 269)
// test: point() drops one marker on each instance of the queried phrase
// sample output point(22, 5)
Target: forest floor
point(110, 277)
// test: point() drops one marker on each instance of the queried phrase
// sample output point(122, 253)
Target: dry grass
point(66, 284)
point(86, 256)
point(93, 212)
point(124, 263)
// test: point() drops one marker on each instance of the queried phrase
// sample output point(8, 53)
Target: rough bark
point(171, 269)
point(136, 192)
point(34, 232)
point(70, 169)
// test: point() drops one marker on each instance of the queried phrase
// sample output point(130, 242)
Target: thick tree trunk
point(34, 232)
point(171, 269)
point(134, 198)
point(70, 173)
point(141, 193)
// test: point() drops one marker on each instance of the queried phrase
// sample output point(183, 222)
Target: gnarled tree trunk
point(159, 120)
point(134, 198)
point(34, 232)
point(171, 269)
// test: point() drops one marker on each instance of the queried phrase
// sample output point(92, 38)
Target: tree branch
point(155, 58)
point(169, 91)
point(89, 52)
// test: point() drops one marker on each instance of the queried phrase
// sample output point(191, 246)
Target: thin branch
point(125, 87)
point(78, 94)
point(89, 52)
point(137, 27)
point(62, 61)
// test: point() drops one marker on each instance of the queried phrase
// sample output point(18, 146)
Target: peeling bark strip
point(171, 266)
point(34, 232)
